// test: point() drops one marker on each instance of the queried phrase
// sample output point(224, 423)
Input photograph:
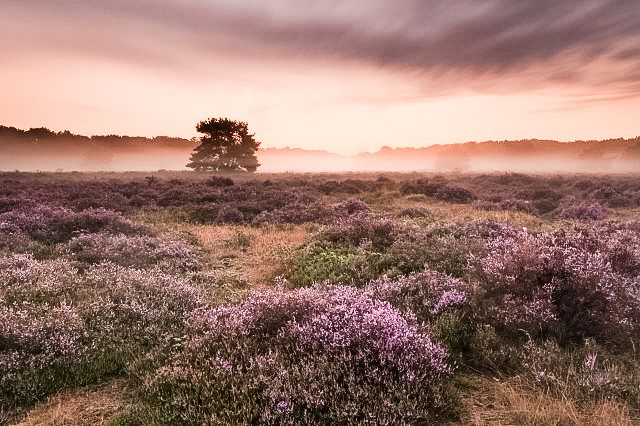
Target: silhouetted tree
point(226, 145)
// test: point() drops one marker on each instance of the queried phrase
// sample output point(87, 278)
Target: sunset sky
point(341, 75)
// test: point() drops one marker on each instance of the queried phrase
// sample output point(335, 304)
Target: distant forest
point(43, 149)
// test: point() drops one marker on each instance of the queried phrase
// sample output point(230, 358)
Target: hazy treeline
point(43, 149)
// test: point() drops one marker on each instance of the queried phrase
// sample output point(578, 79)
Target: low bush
point(426, 295)
point(60, 329)
point(135, 251)
point(582, 210)
point(376, 231)
point(348, 266)
point(567, 284)
point(318, 355)
point(49, 224)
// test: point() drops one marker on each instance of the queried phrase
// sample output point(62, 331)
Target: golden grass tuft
point(93, 405)
point(255, 254)
point(515, 402)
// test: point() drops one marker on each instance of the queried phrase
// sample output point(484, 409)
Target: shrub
point(316, 265)
point(56, 224)
point(442, 248)
point(229, 214)
point(416, 212)
point(297, 213)
point(135, 251)
point(438, 188)
point(219, 181)
point(583, 210)
point(508, 205)
point(585, 373)
point(130, 307)
point(426, 294)
point(60, 329)
point(318, 355)
point(569, 284)
point(378, 231)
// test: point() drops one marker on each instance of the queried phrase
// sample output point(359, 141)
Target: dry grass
point(255, 255)
point(95, 405)
point(514, 402)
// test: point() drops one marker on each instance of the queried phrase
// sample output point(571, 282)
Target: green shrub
point(315, 265)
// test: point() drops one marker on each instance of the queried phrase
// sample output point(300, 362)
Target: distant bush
point(219, 181)
point(56, 224)
point(416, 212)
point(229, 214)
point(319, 355)
point(438, 188)
point(377, 231)
point(297, 213)
point(583, 210)
point(507, 205)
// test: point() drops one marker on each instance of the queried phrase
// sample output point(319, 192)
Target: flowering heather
point(59, 328)
point(583, 210)
point(508, 205)
point(416, 212)
point(587, 372)
point(26, 280)
point(285, 357)
point(135, 251)
point(134, 306)
point(57, 224)
point(353, 230)
point(426, 294)
point(580, 283)
point(314, 211)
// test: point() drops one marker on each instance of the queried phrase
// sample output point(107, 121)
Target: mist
point(530, 156)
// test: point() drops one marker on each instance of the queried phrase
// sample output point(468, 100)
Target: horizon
point(327, 151)
point(344, 77)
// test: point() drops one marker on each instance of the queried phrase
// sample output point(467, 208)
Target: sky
point(346, 76)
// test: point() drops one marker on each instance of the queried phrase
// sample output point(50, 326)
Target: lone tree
point(226, 145)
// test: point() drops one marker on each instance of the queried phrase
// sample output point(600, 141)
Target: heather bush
point(59, 328)
point(438, 188)
point(219, 181)
point(135, 251)
point(506, 205)
point(134, 307)
point(378, 231)
point(583, 210)
point(427, 294)
point(297, 213)
point(568, 284)
point(442, 248)
point(319, 355)
point(229, 214)
point(49, 224)
point(8, 204)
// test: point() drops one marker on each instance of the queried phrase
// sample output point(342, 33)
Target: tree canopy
point(226, 145)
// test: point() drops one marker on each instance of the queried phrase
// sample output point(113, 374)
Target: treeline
point(42, 135)
point(44, 149)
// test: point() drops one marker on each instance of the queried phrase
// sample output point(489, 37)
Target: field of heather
point(192, 298)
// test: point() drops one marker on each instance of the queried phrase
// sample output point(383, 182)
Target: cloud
point(444, 45)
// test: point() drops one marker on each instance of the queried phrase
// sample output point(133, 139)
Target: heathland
point(192, 298)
